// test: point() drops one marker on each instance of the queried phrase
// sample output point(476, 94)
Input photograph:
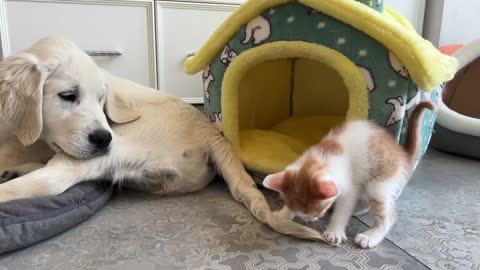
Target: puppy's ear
point(21, 94)
point(119, 109)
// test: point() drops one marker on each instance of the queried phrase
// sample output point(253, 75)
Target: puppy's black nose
point(101, 138)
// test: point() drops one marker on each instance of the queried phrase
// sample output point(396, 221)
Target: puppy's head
point(55, 92)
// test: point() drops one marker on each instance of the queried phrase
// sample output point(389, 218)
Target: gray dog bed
point(26, 222)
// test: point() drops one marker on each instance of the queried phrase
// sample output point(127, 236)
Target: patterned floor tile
point(206, 230)
point(439, 213)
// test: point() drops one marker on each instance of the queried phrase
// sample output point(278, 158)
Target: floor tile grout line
point(393, 243)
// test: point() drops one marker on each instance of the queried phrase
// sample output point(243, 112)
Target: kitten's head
point(306, 188)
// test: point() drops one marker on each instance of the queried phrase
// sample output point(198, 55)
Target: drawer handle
point(103, 53)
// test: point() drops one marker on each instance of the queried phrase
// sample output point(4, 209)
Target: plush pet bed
point(457, 129)
point(26, 222)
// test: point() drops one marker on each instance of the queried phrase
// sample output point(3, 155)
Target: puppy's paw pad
point(335, 237)
point(366, 241)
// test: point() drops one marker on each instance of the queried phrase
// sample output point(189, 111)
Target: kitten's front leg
point(384, 218)
point(335, 232)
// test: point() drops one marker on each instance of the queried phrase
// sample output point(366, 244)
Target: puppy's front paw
point(334, 237)
point(364, 240)
point(8, 175)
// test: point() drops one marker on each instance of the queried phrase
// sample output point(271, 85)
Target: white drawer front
point(118, 26)
point(234, 2)
point(182, 29)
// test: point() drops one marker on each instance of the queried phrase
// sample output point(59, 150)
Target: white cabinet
point(232, 2)
point(182, 28)
point(3, 31)
point(125, 30)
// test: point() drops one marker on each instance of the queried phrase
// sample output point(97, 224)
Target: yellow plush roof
point(427, 66)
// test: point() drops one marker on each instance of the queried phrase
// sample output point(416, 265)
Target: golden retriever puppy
point(64, 121)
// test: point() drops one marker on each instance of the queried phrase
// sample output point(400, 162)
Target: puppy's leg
point(7, 175)
point(15, 172)
point(57, 176)
point(162, 181)
point(124, 164)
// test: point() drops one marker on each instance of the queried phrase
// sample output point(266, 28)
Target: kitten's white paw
point(335, 237)
point(366, 241)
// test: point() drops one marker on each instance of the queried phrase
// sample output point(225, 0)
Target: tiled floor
point(439, 213)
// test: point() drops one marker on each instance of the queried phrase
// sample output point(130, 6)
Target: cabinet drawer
point(234, 2)
point(182, 28)
point(117, 27)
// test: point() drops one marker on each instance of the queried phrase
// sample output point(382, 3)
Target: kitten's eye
point(68, 96)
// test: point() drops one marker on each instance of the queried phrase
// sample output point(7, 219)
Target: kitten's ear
point(325, 189)
point(275, 181)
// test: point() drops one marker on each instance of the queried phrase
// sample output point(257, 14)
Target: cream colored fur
point(160, 143)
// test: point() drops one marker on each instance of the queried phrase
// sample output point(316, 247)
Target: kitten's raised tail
point(243, 189)
point(413, 136)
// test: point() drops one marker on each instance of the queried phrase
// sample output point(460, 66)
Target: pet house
point(279, 74)
point(457, 129)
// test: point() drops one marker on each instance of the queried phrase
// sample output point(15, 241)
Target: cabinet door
point(182, 28)
point(119, 34)
point(412, 10)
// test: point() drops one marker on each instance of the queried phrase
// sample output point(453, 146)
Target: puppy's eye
point(68, 96)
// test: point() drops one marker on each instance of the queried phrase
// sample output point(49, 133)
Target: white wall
point(461, 21)
point(412, 10)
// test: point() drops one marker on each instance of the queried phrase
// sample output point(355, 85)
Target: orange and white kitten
point(359, 166)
